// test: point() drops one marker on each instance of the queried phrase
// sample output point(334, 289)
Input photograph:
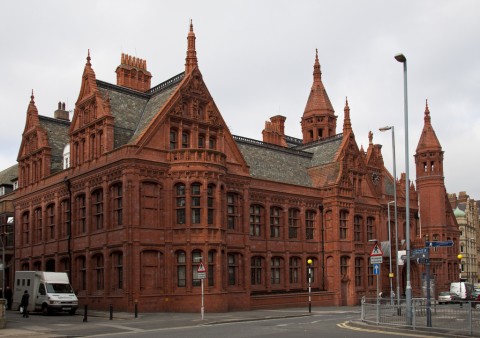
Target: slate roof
point(8, 175)
point(289, 165)
point(57, 131)
point(134, 110)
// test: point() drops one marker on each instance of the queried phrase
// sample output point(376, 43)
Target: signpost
point(202, 274)
point(376, 258)
point(437, 244)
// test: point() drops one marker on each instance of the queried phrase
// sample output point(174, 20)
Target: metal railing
point(457, 318)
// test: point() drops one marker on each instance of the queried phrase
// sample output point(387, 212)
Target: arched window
point(211, 203)
point(185, 140)
point(358, 272)
point(201, 141)
point(81, 214)
point(64, 228)
point(344, 260)
point(275, 222)
point(233, 270)
point(117, 265)
point(81, 273)
point(257, 220)
point(357, 228)
point(26, 228)
point(180, 202)
point(195, 203)
point(310, 224)
point(294, 270)
point(212, 143)
point(37, 266)
point(233, 210)
point(181, 269)
point(173, 139)
point(293, 222)
point(211, 267)
point(38, 225)
point(256, 268)
point(370, 228)
point(117, 204)
point(51, 221)
point(196, 260)
point(98, 272)
point(343, 224)
point(97, 209)
point(276, 270)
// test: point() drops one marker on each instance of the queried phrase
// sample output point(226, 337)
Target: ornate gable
point(91, 130)
point(34, 154)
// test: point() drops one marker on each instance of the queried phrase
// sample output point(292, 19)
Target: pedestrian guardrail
point(462, 317)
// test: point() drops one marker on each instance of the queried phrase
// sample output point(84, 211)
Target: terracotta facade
point(144, 183)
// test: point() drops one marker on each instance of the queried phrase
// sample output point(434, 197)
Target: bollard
point(136, 309)
point(111, 311)
point(85, 314)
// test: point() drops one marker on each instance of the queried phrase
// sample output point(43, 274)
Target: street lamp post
point(460, 256)
point(390, 277)
point(408, 290)
point(309, 263)
point(392, 128)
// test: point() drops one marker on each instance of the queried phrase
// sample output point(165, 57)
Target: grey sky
point(257, 59)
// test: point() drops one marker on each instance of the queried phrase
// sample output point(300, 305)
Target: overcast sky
point(257, 59)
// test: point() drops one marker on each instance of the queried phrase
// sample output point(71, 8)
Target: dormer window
point(66, 156)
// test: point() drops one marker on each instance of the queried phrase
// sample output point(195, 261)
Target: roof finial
point(88, 58)
point(191, 59)
point(32, 97)
point(347, 124)
point(317, 73)
point(370, 137)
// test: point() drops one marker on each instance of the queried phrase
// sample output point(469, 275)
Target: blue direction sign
point(376, 269)
point(436, 244)
point(421, 251)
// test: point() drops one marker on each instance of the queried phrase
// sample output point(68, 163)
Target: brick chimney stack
point(61, 113)
point(274, 131)
point(132, 73)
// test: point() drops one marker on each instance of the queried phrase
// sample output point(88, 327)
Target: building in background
point(144, 185)
point(466, 213)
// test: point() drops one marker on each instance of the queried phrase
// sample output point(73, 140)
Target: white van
point(49, 291)
point(462, 289)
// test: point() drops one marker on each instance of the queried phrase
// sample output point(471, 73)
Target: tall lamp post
point(460, 256)
point(309, 263)
point(392, 128)
point(390, 277)
point(408, 290)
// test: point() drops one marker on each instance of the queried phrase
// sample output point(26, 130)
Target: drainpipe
point(320, 208)
point(69, 227)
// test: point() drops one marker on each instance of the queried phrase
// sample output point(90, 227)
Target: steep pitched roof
point(428, 139)
point(57, 131)
point(8, 175)
point(275, 163)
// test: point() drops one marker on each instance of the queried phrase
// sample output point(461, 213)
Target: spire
point(88, 58)
point(428, 139)
point(347, 125)
point(319, 120)
point(191, 59)
point(32, 114)
point(317, 73)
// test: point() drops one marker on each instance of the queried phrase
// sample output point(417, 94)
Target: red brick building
point(144, 183)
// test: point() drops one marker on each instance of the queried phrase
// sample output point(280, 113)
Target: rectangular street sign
point(420, 251)
point(436, 244)
point(376, 269)
point(423, 260)
point(201, 275)
point(376, 259)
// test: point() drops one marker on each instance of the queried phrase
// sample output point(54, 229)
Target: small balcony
point(197, 155)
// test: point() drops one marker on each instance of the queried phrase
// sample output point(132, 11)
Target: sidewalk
point(17, 328)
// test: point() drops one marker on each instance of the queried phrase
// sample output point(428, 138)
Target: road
point(289, 323)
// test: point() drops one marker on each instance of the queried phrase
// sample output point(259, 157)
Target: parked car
point(446, 297)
